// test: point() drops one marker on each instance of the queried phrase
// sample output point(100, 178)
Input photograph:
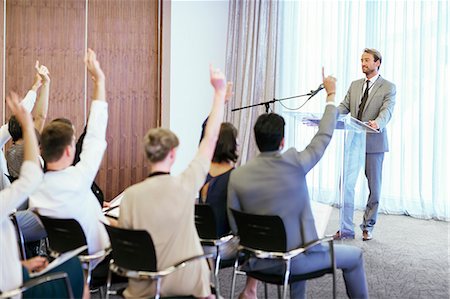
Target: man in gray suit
point(274, 183)
point(371, 100)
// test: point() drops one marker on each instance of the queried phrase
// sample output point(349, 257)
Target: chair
point(40, 281)
point(67, 234)
point(264, 237)
point(28, 228)
point(134, 256)
point(205, 222)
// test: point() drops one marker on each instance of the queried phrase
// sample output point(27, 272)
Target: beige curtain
point(251, 65)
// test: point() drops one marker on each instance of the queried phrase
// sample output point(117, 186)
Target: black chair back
point(262, 232)
point(63, 234)
point(205, 222)
point(132, 249)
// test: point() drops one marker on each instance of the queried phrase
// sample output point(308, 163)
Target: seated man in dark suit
point(274, 183)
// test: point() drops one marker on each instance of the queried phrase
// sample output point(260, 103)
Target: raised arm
point(41, 107)
point(31, 173)
point(30, 98)
point(94, 143)
point(315, 150)
point(97, 75)
point(31, 150)
point(229, 93)
point(208, 143)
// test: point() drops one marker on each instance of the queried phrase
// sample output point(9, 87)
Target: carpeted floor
point(408, 258)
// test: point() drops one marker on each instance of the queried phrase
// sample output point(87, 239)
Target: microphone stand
point(267, 104)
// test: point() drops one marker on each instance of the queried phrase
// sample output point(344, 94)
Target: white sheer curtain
point(413, 37)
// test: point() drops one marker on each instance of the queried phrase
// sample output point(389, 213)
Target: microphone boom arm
point(267, 103)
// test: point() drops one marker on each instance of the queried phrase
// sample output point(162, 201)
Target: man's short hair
point(56, 136)
point(269, 131)
point(158, 142)
point(226, 146)
point(375, 53)
point(14, 129)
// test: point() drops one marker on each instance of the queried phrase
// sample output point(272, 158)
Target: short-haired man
point(66, 190)
point(163, 204)
point(371, 100)
point(274, 183)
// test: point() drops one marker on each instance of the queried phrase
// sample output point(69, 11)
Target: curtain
point(413, 38)
point(251, 65)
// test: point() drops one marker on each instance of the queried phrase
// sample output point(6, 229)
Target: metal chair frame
point(70, 230)
point(138, 243)
point(38, 281)
point(205, 223)
point(260, 223)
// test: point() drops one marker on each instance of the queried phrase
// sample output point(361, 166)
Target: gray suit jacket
point(275, 184)
point(379, 107)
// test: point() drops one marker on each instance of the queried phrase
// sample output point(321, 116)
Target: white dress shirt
point(67, 193)
point(10, 198)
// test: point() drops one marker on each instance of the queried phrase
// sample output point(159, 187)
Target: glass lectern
point(332, 181)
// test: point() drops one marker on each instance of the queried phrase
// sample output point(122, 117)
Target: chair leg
point(233, 280)
point(333, 262)
point(68, 287)
point(266, 292)
point(89, 274)
point(158, 287)
point(108, 283)
point(216, 274)
point(102, 292)
point(286, 278)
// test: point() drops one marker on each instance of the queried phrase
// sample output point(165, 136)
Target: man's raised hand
point(93, 66)
point(43, 72)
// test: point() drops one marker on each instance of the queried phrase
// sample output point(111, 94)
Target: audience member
point(11, 273)
point(274, 183)
point(28, 102)
point(65, 191)
point(214, 191)
point(164, 206)
point(14, 155)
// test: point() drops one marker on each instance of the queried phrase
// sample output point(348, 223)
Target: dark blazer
point(379, 107)
point(274, 183)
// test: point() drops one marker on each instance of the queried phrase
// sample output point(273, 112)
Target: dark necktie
point(363, 100)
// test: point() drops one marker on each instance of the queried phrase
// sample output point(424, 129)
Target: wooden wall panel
point(124, 35)
point(52, 32)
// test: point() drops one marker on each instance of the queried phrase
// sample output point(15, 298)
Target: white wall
point(194, 35)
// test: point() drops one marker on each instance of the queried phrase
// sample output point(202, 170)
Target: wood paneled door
point(125, 35)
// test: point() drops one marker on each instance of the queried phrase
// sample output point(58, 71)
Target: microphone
point(314, 92)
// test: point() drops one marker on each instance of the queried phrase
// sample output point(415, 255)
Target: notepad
point(61, 259)
point(114, 207)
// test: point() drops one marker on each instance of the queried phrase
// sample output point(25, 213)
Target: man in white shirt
point(66, 190)
point(14, 195)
